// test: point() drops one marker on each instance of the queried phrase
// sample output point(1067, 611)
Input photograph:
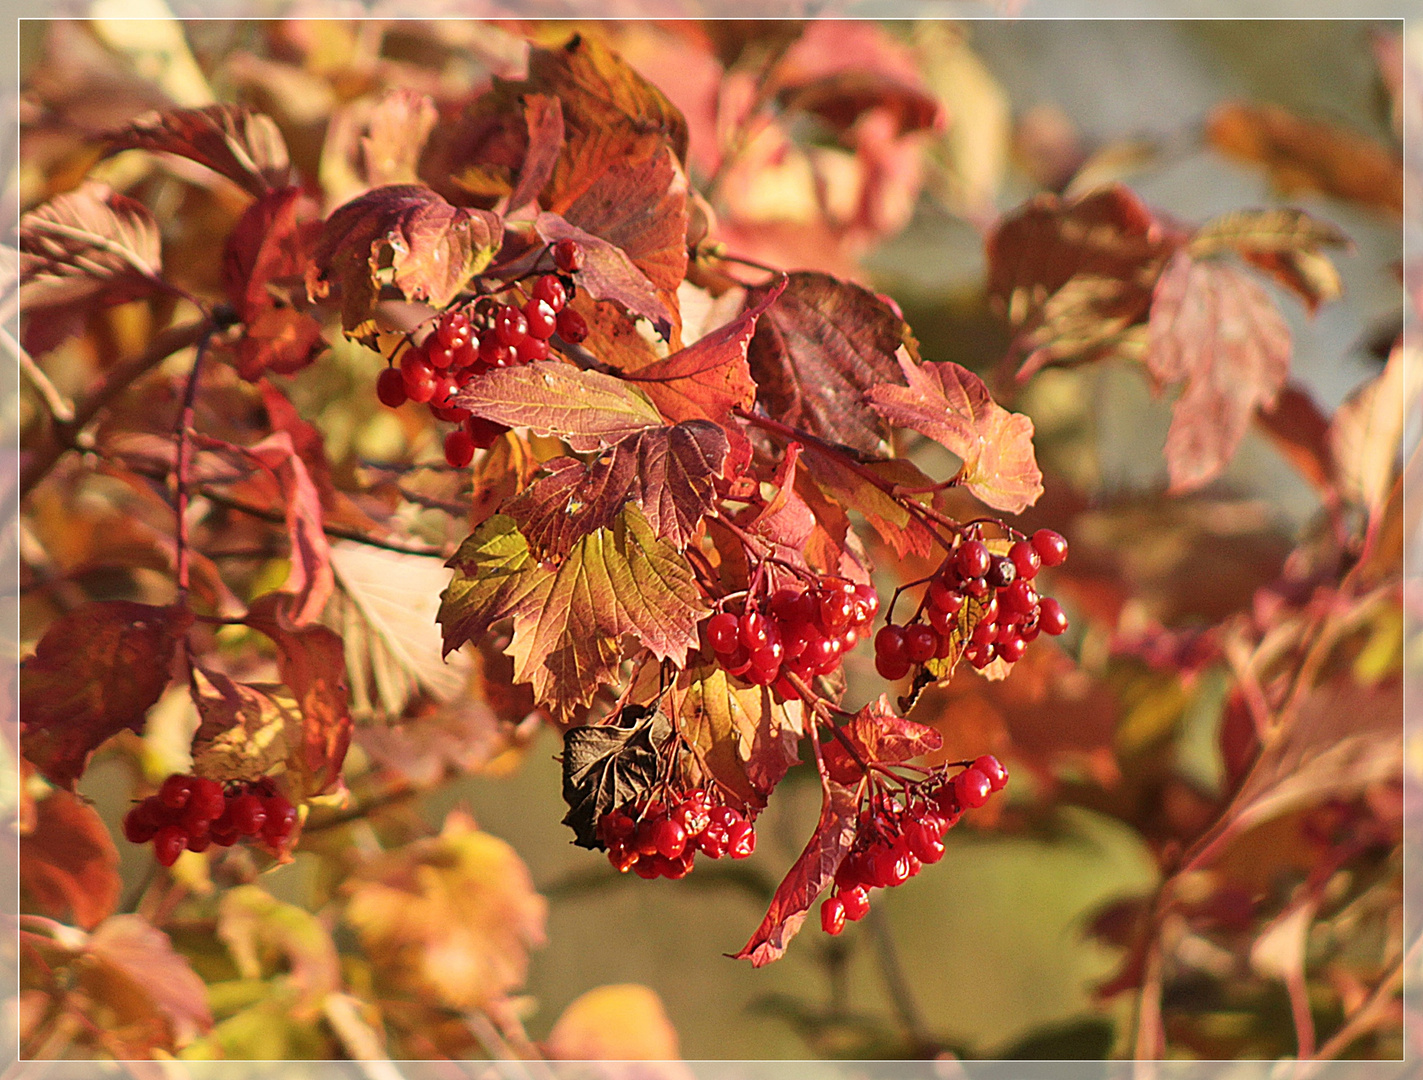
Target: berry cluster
point(803, 631)
point(1011, 614)
point(193, 813)
point(898, 837)
point(656, 840)
point(467, 341)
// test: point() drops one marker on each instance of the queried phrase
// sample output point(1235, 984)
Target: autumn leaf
point(69, 867)
point(1073, 278)
point(785, 520)
point(312, 664)
point(587, 409)
point(246, 730)
point(1284, 243)
point(808, 877)
point(569, 618)
point(373, 142)
point(131, 966)
point(882, 736)
point(668, 471)
point(819, 346)
point(606, 766)
point(904, 532)
point(625, 1022)
point(404, 235)
point(951, 405)
point(1366, 433)
point(451, 918)
point(609, 273)
point(84, 249)
point(544, 116)
point(1218, 332)
point(96, 672)
point(1301, 433)
point(264, 933)
point(244, 146)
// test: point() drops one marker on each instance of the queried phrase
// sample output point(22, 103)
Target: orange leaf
point(68, 863)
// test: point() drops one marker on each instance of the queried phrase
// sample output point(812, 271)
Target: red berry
point(944, 597)
point(572, 327)
point(670, 838)
point(832, 915)
point(755, 630)
point(714, 840)
point(693, 816)
point(440, 356)
point(866, 602)
point(920, 643)
point(1001, 572)
point(1011, 649)
point(646, 867)
point(889, 867)
point(248, 814)
point(723, 632)
point(925, 842)
point(224, 833)
point(972, 559)
point(1026, 559)
point(836, 609)
point(207, 801)
point(531, 349)
point(510, 326)
point(390, 388)
point(1019, 598)
point(139, 826)
point(459, 449)
point(737, 662)
point(1050, 546)
point(892, 669)
point(889, 643)
point(984, 633)
point(494, 352)
point(741, 840)
point(174, 792)
point(1051, 618)
point(972, 788)
point(551, 291)
point(483, 432)
point(419, 379)
point(281, 820)
point(200, 843)
point(793, 605)
point(568, 256)
point(540, 318)
point(168, 844)
point(992, 768)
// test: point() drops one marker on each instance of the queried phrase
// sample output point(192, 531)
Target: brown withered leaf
point(96, 672)
point(312, 664)
point(818, 347)
point(1309, 155)
point(587, 409)
point(609, 765)
point(1218, 332)
point(406, 233)
point(951, 405)
point(570, 618)
point(84, 249)
point(242, 145)
point(807, 878)
point(451, 918)
point(263, 265)
point(1073, 277)
point(668, 471)
point(246, 729)
point(69, 867)
point(130, 965)
point(1285, 243)
point(608, 273)
point(544, 116)
point(373, 142)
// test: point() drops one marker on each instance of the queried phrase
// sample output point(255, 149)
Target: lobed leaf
point(96, 672)
point(132, 966)
point(609, 273)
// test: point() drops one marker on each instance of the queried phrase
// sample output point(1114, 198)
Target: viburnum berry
point(173, 793)
point(832, 915)
point(248, 814)
point(568, 255)
point(168, 844)
point(550, 290)
point(856, 901)
point(210, 814)
point(390, 388)
point(572, 327)
point(459, 448)
point(656, 839)
point(1050, 546)
point(972, 559)
point(972, 788)
point(1051, 618)
point(483, 433)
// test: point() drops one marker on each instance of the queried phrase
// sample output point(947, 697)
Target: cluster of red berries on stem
point(467, 341)
point(193, 812)
point(801, 630)
point(1011, 614)
point(656, 839)
point(898, 836)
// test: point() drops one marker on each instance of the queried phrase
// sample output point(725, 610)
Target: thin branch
point(1364, 1018)
point(183, 466)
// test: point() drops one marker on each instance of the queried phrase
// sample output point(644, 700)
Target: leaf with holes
point(96, 672)
point(244, 146)
point(1220, 334)
point(669, 472)
point(608, 765)
point(951, 405)
point(403, 235)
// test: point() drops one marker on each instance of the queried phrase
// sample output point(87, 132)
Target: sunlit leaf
point(614, 1023)
point(244, 146)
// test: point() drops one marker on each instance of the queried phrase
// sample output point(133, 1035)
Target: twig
point(1363, 1018)
point(184, 464)
point(59, 406)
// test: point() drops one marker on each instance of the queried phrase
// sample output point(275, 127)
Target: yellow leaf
point(624, 1022)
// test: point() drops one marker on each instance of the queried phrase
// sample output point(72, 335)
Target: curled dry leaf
point(608, 765)
point(69, 867)
point(96, 672)
point(244, 146)
point(544, 116)
point(1284, 243)
point(1366, 434)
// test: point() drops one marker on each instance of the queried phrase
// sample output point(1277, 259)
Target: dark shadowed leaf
point(587, 409)
point(406, 234)
point(84, 249)
point(544, 115)
point(807, 878)
point(951, 405)
point(69, 867)
point(1218, 332)
point(570, 618)
point(312, 664)
point(609, 273)
point(1074, 277)
point(1284, 243)
point(819, 346)
point(96, 672)
point(668, 471)
point(244, 146)
point(607, 765)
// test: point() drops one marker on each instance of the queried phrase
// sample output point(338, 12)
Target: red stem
point(184, 465)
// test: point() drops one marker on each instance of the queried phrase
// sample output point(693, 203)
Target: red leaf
point(1074, 277)
point(608, 273)
point(1301, 433)
point(786, 520)
point(668, 471)
point(68, 863)
point(432, 249)
point(882, 735)
point(951, 405)
point(544, 115)
point(129, 960)
point(807, 878)
point(96, 672)
point(821, 344)
point(269, 248)
point(895, 525)
point(312, 662)
point(244, 146)
point(85, 249)
point(587, 409)
point(1218, 332)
